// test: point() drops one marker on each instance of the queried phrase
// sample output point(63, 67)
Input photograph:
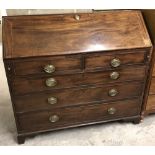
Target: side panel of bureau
point(149, 102)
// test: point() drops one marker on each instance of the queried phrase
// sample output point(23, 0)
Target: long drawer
point(65, 117)
point(76, 96)
point(28, 85)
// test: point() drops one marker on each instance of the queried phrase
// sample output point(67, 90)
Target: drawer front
point(76, 96)
point(65, 117)
point(23, 86)
point(43, 65)
point(107, 61)
point(152, 87)
point(150, 103)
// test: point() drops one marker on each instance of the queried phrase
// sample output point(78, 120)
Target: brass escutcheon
point(52, 100)
point(115, 62)
point(113, 92)
point(54, 118)
point(51, 82)
point(111, 111)
point(49, 69)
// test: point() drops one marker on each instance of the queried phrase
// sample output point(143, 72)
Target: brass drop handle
point(114, 75)
point(54, 118)
point(49, 69)
point(113, 92)
point(52, 100)
point(51, 82)
point(77, 17)
point(115, 62)
point(111, 111)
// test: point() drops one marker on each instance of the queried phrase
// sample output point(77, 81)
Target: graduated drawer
point(33, 66)
point(150, 103)
point(152, 87)
point(28, 85)
point(72, 116)
point(77, 96)
point(102, 60)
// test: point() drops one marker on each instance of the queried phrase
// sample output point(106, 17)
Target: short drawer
point(77, 96)
point(152, 87)
point(114, 60)
point(28, 85)
point(66, 117)
point(47, 65)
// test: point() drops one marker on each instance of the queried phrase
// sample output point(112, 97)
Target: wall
point(44, 11)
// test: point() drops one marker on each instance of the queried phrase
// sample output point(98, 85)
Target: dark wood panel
point(150, 23)
point(152, 87)
point(70, 97)
point(78, 115)
point(153, 73)
point(149, 15)
point(63, 34)
point(150, 103)
point(28, 85)
point(102, 60)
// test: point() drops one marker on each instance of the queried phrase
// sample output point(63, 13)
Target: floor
point(114, 133)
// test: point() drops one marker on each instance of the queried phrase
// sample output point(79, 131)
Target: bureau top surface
point(44, 35)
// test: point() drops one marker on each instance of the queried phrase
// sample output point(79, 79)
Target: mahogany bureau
point(75, 69)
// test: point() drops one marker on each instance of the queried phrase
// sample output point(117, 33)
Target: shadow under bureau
point(75, 69)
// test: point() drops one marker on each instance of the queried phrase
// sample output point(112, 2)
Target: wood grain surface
point(29, 36)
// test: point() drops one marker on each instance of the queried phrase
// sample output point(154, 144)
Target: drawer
point(152, 87)
point(77, 96)
point(28, 85)
point(150, 103)
point(47, 65)
point(114, 60)
point(65, 117)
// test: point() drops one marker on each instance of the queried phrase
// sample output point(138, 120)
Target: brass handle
point(52, 100)
point(54, 118)
point(49, 69)
point(111, 111)
point(114, 75)
point(113, 92)
point(115, 62)
point(77, 17)
point(51, 82)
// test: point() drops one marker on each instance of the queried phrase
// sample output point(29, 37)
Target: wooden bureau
point(75, 69)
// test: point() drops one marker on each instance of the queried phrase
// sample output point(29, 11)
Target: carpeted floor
point(104, 134)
